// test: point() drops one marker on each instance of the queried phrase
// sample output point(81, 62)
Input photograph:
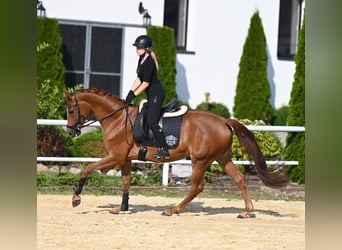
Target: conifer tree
point(51, 141)
point(252, 97)
point(295, 142)
point(164, 46)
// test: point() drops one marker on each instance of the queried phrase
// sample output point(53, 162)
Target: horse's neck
point(100, 105)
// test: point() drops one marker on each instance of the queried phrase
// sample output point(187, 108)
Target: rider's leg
point(160, 143)
point(153, 115)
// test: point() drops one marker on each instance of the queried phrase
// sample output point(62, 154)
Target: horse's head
point(75, 117)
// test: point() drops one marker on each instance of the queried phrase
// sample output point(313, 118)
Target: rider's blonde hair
point(154, 57)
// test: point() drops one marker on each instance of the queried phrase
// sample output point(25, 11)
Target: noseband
point(76, 127)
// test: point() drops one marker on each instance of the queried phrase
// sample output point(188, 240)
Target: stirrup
point(163, 153)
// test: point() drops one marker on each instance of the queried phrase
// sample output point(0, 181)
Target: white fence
point(166, 166)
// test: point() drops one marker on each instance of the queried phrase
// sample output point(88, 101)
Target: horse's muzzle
point(73, 131)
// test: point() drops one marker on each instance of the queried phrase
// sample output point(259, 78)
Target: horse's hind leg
point(196, 187)
point(232, 170)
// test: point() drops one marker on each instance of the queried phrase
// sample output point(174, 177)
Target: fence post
point(166, 167)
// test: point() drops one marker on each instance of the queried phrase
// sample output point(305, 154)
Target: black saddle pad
point(171, 127)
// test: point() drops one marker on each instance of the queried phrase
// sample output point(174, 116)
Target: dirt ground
point(207, 223)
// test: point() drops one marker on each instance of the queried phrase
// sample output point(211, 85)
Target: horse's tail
point(271, 177)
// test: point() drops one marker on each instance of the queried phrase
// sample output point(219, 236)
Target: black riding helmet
point(143, 41)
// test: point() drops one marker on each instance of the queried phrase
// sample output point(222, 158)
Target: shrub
point(66, 179)
point(95, 179)
point(88, 145)
point(269, 143)
point(180, 103)
point(281, 115)
point(51, 179)
point(52, 141)
point(155, 178)
point(50, 70)
point(45, 179)
point(217, 108)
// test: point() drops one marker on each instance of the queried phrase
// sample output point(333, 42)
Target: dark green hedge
point(295, 142)
point(50, 70)
point(164, 47)
point(281, 115)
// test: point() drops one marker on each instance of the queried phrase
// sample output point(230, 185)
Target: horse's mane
point(103, 93)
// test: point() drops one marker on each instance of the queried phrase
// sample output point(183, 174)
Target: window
point(92, 55)
point(176, 17)
point(74, 47)
point(290, 13)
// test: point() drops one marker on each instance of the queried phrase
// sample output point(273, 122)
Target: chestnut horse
point(205, 137)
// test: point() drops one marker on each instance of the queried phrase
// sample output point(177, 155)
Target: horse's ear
point(67, 94)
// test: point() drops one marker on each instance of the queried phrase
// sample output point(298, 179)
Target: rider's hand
point(130, 96)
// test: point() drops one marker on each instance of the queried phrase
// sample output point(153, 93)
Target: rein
point(102, 118)
point(77, 125)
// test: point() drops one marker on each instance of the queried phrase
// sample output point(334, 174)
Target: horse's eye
point(71, 112)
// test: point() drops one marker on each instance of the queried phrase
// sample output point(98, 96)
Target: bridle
point(77, 126)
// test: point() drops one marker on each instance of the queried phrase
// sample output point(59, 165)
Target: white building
point(210, 38)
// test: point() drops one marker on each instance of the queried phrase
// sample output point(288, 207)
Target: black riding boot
point(161, 143)
point(163, 153)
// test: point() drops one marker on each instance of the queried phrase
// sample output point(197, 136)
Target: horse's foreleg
point(76, 199)
point(239, 179)
point(103, 163)
point(126, 184)
point(196, 188)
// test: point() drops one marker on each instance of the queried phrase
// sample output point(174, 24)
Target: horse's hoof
point(75, 203)
point(251, 215)
point(115, 210)
point(165, 213)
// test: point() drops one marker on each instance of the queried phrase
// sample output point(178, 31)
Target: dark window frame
point(290, 19)
point(176, 17)
point(90, 69)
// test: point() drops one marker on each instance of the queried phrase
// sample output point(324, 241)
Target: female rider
point(147, 81)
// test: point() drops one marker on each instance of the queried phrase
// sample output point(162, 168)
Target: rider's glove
point(130, 96)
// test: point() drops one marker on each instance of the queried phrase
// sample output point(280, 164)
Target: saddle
point(170, 121)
